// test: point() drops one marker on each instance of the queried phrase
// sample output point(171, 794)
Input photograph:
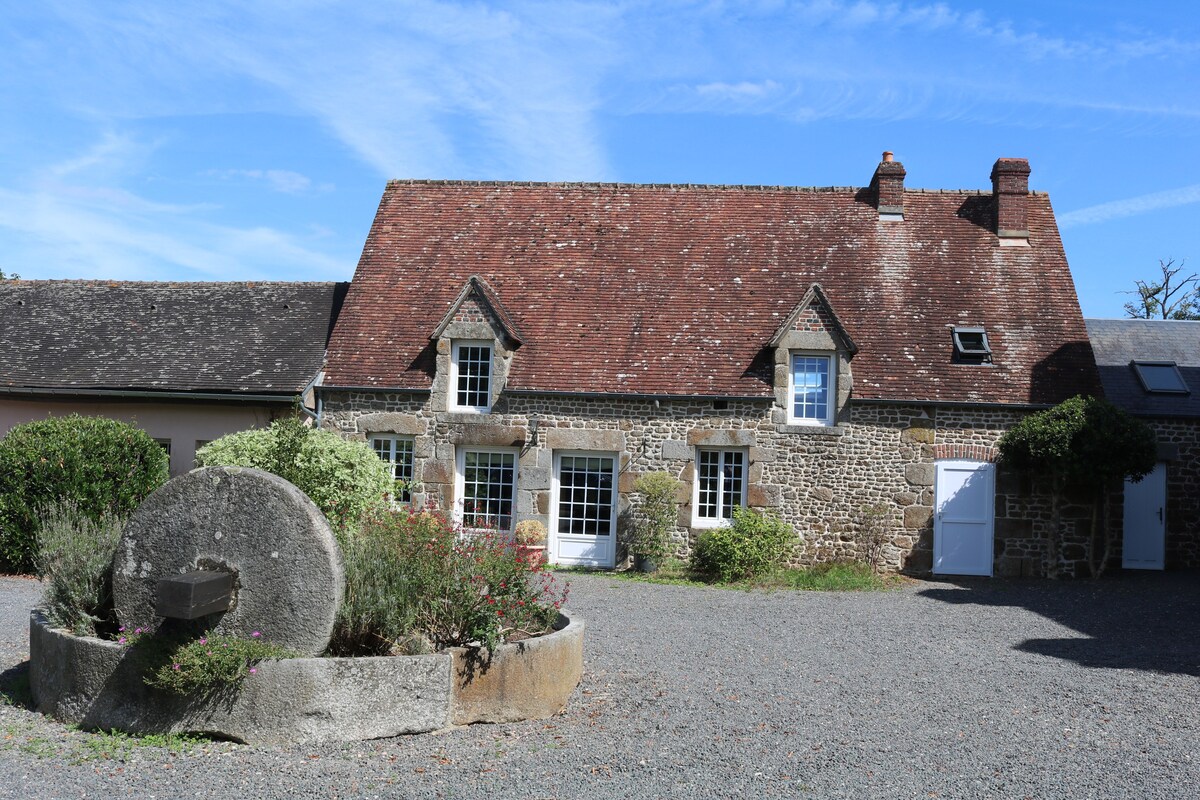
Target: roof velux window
point(971, 345)
point(1160, 377)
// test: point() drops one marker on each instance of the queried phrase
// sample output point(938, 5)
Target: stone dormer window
point(471, 376)
point(475, 341)
point(812, 365)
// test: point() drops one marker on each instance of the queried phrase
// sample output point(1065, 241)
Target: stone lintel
point(721, 438)
point(583, 439)
point(390, 422)
point(486, 434)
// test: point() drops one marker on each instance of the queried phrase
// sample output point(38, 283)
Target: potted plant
point(530, 537)
point(656, 518)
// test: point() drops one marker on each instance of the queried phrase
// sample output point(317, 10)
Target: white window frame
point(831, 404)
point(393, 440)
point(452, 390)
point(460, 478)
point(719, 520)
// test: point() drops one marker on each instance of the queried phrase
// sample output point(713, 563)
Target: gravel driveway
point(987, 688)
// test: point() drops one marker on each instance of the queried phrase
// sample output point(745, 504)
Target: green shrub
point(201, 665)
point(74, 561)
point(345, 479)
point(96, 463)
point(657, 514)
point(754, 544)
point(415, 581)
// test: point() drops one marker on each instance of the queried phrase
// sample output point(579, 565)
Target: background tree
point(1083, 445)
point(14, 276)
point(1169, 297)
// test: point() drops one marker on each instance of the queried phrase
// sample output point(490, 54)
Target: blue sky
point(226, 141)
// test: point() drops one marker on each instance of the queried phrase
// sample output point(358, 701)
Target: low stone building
point(1151, 368)
point(186, 362)
point(847, 357)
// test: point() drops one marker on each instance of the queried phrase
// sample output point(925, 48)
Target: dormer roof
point(477, 289)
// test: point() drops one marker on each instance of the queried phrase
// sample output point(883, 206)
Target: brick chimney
point(1010, 192)
point(888, 186)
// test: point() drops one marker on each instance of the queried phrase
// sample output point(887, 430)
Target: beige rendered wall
point(183, 423)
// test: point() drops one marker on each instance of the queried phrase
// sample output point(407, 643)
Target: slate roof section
point(237, 338)
point(676, 290)
point(1118, 342)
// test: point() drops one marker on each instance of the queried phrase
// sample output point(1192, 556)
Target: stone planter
point(93, 683)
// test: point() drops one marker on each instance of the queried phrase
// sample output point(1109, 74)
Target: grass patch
point(117, 745)
point(833, 577)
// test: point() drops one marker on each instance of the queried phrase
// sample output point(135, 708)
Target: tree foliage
point(1172, 296)
point(98, 464)
point(1085, 445)
point(345, 479)
point(11, 277)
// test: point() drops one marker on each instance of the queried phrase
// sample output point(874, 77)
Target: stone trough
point(287, 581)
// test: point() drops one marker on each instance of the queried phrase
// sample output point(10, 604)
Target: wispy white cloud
point(423, 89)
point(63, 225)
point(280, 180)
point(1131, 206)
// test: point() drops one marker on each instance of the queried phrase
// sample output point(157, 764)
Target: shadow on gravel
point(14, 686)
point(1133, 620)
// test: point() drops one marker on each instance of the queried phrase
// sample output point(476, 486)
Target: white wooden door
point(583, 513)
point(1146, 521)
point(964, 503)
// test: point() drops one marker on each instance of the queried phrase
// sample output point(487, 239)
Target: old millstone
point(287, 568)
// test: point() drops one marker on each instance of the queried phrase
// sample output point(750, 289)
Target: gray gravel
point(972, 689)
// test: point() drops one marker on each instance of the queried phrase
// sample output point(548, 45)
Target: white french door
point(583, 513)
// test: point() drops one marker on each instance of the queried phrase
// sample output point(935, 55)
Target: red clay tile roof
point(676, 290)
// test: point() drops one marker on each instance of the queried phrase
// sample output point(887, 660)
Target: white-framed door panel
point(964, 511)
point(583, 508)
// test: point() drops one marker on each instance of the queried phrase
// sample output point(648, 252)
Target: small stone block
point(194, 594)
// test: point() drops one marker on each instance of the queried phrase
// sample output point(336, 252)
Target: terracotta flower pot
point(533, 554)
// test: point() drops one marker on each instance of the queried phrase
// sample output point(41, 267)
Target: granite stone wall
point(860, 489)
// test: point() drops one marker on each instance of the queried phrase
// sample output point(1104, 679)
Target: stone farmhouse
point(523, 350)
point(1151, 368)
point(186, 362)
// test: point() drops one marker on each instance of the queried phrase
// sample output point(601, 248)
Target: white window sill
point(709, 524)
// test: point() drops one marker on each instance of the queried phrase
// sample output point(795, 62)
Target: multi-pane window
point(397, 451)
point(489, 486)
point(720, 483)
point(472, 376)
point(810, 400)
point(585, 495)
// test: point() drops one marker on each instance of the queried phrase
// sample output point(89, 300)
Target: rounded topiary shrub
point(97, 464)
point(344, 478)
point(755, 543)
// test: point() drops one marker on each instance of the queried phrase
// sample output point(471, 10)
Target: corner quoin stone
point(288, 570)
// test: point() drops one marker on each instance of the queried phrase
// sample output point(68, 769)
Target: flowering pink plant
point(418, 573)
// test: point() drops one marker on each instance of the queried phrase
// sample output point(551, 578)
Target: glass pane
point(584, 508)
point(810, 387)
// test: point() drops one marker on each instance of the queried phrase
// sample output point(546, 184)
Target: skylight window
point(1160, 377)
point(971, 345)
